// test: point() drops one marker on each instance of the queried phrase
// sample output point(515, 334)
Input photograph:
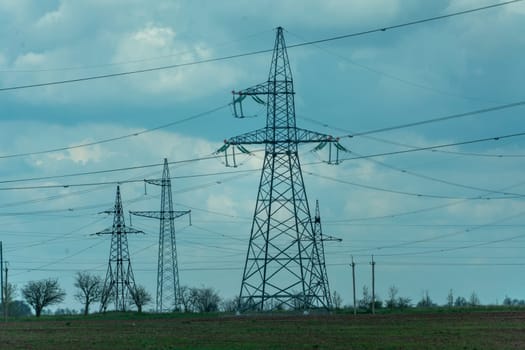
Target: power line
point(139, 60)
point(406, 24)
point(213, 110)
point(493, 138)
point(112, 139)
point(92, 206)
point(456, 248)
point(434, 179)
point(392, 76)
point(413, 194)
point(418, 211)
point(108, 170)
point(461, 143)
point(252, 53)
point(116, 182)
point(411, 146)
point(440, 119)
point(434, 238)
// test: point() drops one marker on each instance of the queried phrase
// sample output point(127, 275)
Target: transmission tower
point(320, 281)
point(119, 284)
point(282, 252)
point(168, 287)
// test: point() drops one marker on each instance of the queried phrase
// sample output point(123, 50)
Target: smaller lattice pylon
point(319, 281)
point(119, 284)
point(168, 285)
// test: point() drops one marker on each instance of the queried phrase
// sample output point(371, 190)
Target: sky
point(435, 219)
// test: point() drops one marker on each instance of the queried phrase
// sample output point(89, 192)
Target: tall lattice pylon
point(168, 285)
point(119, 284)
point(282, 252)
point(319, 283)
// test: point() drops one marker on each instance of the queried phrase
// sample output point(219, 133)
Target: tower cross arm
point(111, 230)
point(263, 136)
point(308, 136)
point(259, 136)
point(160, 214)
point(326, 238)
point(259, 89)
point(158, 182)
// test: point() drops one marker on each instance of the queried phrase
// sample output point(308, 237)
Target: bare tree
point(185, 298)
point(404, 302)
point(140, 297)
point(205, 299)
point(10, 293)
point(230, 305)
point(40, 294)
point(9, 298)
point(450, 298)
point(366, 302)
point(426, 301)
point(460, 302)
point(474, 300)
point(337, 300)
point(391, 302)
point(89, 289)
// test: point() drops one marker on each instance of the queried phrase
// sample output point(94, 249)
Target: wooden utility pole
point(353, 284)
point(373, 286)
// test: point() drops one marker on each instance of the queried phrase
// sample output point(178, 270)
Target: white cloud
point(181, 83)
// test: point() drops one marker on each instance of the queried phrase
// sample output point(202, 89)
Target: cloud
point(180, 83)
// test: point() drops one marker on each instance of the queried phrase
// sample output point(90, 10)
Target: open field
point(438, 330)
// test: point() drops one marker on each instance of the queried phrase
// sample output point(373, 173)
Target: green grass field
point(412, 330)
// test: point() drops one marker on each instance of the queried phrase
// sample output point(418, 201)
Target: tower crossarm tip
point(157, 182)
point(327, 238)
point(259, 89)
point(308, 136)
point(107, 231)
point(168, 214)
point(256, 137)
point(334, 147)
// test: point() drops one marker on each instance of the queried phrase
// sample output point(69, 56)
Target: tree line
point(395, 301)
point(39, 295)
point(89, 290)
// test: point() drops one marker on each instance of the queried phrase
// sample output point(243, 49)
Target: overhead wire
point(116, 182)
point(493, 138)
point(446, 235)
point(435, 179)
point(257, 52)
point(389, 75)
point(117, 138)
point(443, 250)
point(440, 119)
point(396, 143)
point(406, 193)
point(426, 148)
point(418, 211)
point(127, 62)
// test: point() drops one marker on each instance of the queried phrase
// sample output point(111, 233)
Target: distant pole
point(353, 284)
point(373, 286)
point(5, 290)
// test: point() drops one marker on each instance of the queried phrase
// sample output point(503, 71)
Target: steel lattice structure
point(119, 284)
point(168, 285)
point(281, 262)
point(319, 283)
